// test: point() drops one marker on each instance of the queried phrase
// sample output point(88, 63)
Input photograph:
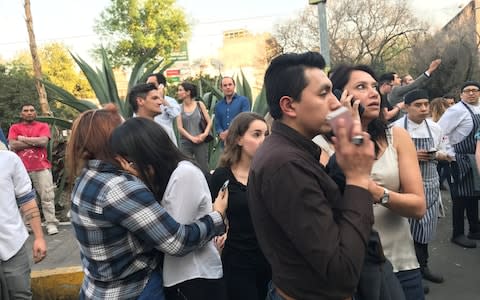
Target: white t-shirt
point(187, 198)
point(15, 190)
point(169, 113)
point(415, 130)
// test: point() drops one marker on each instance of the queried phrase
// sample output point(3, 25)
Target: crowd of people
point(302, 205)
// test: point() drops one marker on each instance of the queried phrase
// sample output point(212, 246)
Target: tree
point(18, 86)
point(458, 48)
point(37, 67)
point(132, 28)
point(373, 32)
point(59, 68)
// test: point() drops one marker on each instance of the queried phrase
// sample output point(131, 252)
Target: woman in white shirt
point(184, 193)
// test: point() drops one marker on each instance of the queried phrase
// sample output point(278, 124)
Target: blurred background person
point(192, 138)
point(170, 108)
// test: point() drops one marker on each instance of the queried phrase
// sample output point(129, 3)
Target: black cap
point(415, 95)
point(470, 82)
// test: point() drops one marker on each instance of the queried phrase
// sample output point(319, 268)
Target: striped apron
point(423, 230)
point(464, 184)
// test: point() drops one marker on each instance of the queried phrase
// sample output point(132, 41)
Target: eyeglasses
point(471, 91)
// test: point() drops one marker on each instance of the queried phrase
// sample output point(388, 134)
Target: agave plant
point(102, 81)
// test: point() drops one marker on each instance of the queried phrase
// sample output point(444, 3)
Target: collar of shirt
point(292, 135)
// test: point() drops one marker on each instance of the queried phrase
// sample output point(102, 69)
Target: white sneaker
point(52, 229)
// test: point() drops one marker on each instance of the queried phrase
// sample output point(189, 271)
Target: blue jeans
point(411, 282)
point(154, 287)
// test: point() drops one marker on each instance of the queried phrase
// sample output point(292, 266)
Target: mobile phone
point(432, 151)
point(338, 94)
point(225, 185)
point(341, 113)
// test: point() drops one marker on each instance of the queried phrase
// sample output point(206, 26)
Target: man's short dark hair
point(385, 78)
point(160, 78)
point(27, 104)
point(140, 90)
point(286, 77)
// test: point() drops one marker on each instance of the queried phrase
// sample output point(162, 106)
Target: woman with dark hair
point(121, 228)
point(396, 182)
point(246, 270)
point(192, 138)
point(181, 188)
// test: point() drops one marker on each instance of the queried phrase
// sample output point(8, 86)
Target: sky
point(71, 22)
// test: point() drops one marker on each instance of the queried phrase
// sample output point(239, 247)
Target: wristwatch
point(385, 197)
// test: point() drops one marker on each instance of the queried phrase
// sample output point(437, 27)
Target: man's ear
point(140, 101)
point(287, 105)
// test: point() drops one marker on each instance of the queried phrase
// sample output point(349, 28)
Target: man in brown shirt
point(313, 237)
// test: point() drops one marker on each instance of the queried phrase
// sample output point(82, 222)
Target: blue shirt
point(225, 113)
point(122, 231)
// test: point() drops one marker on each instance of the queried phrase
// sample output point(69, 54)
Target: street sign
point(313, 2)
point(172, 72)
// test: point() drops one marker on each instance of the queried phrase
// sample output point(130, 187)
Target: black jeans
point(460, 204)
point(246, 276)
point(197, 289)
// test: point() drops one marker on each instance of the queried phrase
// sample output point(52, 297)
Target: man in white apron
point(427, 137)
point(460, 123)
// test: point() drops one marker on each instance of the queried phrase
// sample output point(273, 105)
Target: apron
point(423, 230)
point(464, 179)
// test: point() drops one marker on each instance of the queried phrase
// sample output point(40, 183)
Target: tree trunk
point(37, 68)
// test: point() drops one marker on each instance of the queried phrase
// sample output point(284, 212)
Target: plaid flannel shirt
point(122, 231)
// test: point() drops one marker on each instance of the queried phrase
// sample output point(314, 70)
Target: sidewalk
point(459, 266)
point(59, 275)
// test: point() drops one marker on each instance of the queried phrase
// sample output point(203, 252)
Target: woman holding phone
point(396, 182)
point(246, 270)
point(146, 150)
point(121, 228)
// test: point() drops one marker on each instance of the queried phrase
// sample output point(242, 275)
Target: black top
point(241, 235)
point(313, 237)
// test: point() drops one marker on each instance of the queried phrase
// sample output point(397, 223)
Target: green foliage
point(133, 28)
point(18, 87)
point(57, 67)
point(261, 106)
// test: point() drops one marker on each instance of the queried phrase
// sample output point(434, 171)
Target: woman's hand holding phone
point(221, 202)
point(350, 103)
